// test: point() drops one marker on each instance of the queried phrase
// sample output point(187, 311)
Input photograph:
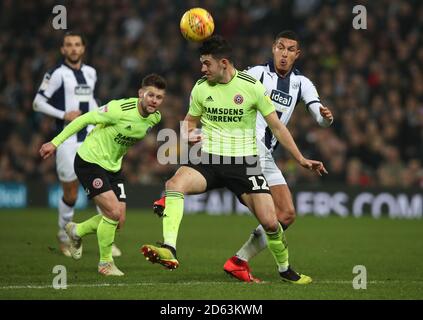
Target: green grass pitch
point(327, 249)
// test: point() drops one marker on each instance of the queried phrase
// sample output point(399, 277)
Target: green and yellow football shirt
point(119, 125)
point(228, 114)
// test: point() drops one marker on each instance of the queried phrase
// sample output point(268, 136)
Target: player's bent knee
point(113, 213)
point(174, 185)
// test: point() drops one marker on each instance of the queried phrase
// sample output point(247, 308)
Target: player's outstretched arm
point(73, 127)
point(284, 137)
point(48, 149)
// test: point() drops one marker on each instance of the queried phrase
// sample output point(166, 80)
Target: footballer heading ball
point(197, 24)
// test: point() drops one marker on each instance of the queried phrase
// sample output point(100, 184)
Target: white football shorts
point(270, 170)
point(65, 156)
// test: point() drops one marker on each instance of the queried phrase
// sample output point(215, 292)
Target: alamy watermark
point(61, 280)
point(60, 21)
point(360, 20)
point(237, 145)
point(360, 280)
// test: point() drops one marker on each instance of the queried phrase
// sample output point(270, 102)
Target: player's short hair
point(218, 47)
point(73, 34)
point(154, 80)
point(288, 34)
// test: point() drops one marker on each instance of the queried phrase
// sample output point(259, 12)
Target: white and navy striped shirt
point(65, 89)
point(285, 92)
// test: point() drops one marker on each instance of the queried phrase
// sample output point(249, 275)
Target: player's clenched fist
point(47, 149)
point(72, 115)
point(326, 113)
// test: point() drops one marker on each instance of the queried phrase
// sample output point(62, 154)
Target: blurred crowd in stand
point(371, 79)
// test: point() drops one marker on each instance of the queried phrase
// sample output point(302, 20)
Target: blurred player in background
point(119, 125)
point(66, 92)
point(226, 102)
point(285, 86)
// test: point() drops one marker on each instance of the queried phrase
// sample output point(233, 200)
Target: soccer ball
point(196, 24)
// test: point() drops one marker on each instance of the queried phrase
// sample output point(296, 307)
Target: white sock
point(283, 268)
point(65, 214)
point(255, 244)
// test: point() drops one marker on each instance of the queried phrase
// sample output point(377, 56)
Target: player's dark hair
point(288, 34)
point(73, 34)
point(216, 46)
point(154, 80)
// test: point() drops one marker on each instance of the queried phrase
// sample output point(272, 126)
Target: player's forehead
point(207, 58)
point(154, 90)
point(285, 42)
point(72, 39)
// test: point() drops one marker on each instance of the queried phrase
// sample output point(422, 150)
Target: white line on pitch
point(140, 284)
point(95, 285)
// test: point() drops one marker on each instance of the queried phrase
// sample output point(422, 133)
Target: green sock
point(106, 235)
point(88, 226)
point(278, 246)
point(172, 216)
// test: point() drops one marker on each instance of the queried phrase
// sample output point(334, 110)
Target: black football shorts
point(97, 180)
point(238, 174)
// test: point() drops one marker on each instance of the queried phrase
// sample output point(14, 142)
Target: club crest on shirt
point(103, 109)
point(295, 85)
point(97, 183)
point(238, 99)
